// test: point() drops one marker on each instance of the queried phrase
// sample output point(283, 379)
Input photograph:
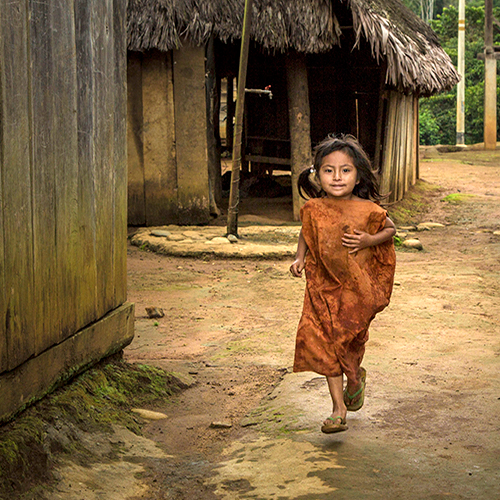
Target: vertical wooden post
point(300, 127)
point(416, 140)
point(234, 194)
point(490, 80)
point(230, 113)
point(212, 152)
point(377, 163)
point(461, 71)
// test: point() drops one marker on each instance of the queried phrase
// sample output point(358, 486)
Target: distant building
point(364, 64)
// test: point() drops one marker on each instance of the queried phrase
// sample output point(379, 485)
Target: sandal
point(355, 402)
point(336, 424)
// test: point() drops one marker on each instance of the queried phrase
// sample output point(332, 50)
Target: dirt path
point(429, 428)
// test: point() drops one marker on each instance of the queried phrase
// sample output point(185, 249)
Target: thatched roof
point(415, 60)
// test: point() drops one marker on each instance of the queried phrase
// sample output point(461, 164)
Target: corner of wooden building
point(41, 374)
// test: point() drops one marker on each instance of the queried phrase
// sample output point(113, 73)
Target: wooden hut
point(355, 66)
point(62, 193)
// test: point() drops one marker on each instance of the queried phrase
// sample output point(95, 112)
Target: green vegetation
point(438, 113)
point(457, 198)
point(397, 241)
point(95, 401)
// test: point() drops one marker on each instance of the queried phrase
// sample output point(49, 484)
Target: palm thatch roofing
point(415, 60)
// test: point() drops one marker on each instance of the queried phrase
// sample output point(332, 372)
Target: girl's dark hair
point(367, 188)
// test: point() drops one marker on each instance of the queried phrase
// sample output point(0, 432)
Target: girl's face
point(338, 175)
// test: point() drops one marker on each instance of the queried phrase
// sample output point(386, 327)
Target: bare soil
point(249, 428)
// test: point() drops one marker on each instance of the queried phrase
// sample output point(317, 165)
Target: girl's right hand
point(297, 267)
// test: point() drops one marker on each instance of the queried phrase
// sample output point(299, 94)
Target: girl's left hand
point(357, 241)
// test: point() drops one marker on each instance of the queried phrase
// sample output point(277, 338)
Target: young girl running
point(349, 270)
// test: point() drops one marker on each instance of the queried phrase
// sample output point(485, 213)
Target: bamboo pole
point(234, 193)
point(460, 136)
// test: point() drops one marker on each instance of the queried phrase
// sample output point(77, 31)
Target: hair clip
point(312, 170)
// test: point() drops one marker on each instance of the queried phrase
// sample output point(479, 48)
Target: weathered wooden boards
point(168, 180)
point(62, 174)
point(17, 307)
point(38, 375)
point(400, 150)
point(120, 151)
point(160, 169)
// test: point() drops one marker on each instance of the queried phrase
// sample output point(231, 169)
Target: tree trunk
point(300, 128)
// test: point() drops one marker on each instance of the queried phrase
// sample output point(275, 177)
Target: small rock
point(413, 243)
point(218, 240)
point(149, 415)
point(116, 440)
point(160, 233)
point(155, 312)
point(248, 422)
point(407, 228)
point(176, 237)
point(496, 233)
point(401, 235)
point(193, 235)
point(427, 226)
point(221, 425)
point(232, 238)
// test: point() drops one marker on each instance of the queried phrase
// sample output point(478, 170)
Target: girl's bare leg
point(335, 385)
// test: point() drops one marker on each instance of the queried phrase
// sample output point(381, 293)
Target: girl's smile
point(338, 176)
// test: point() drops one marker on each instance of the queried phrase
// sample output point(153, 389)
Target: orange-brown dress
point(344, 291)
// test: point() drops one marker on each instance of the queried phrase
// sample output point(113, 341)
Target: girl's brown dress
point(344, 291)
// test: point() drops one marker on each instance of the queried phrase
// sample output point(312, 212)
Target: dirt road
point(248, 428)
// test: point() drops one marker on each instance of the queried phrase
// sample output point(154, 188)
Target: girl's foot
point(334, 424)
point(354, 400)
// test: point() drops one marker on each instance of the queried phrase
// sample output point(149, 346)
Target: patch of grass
point(415, 204)
point(398, 241)
point(457, 198)
point(93, 402)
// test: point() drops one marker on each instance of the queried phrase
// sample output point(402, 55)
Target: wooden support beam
point(300, 127)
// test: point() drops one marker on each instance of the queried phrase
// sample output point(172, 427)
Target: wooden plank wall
point(400, 150)
point(168, 172)
point(119, 89)
point(159, 141)
point(135, 142)
point(62, 170)
point(191, 135)
point(152, 165)
point(18, 305)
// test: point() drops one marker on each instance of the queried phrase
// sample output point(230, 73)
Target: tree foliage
point(438, 113)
